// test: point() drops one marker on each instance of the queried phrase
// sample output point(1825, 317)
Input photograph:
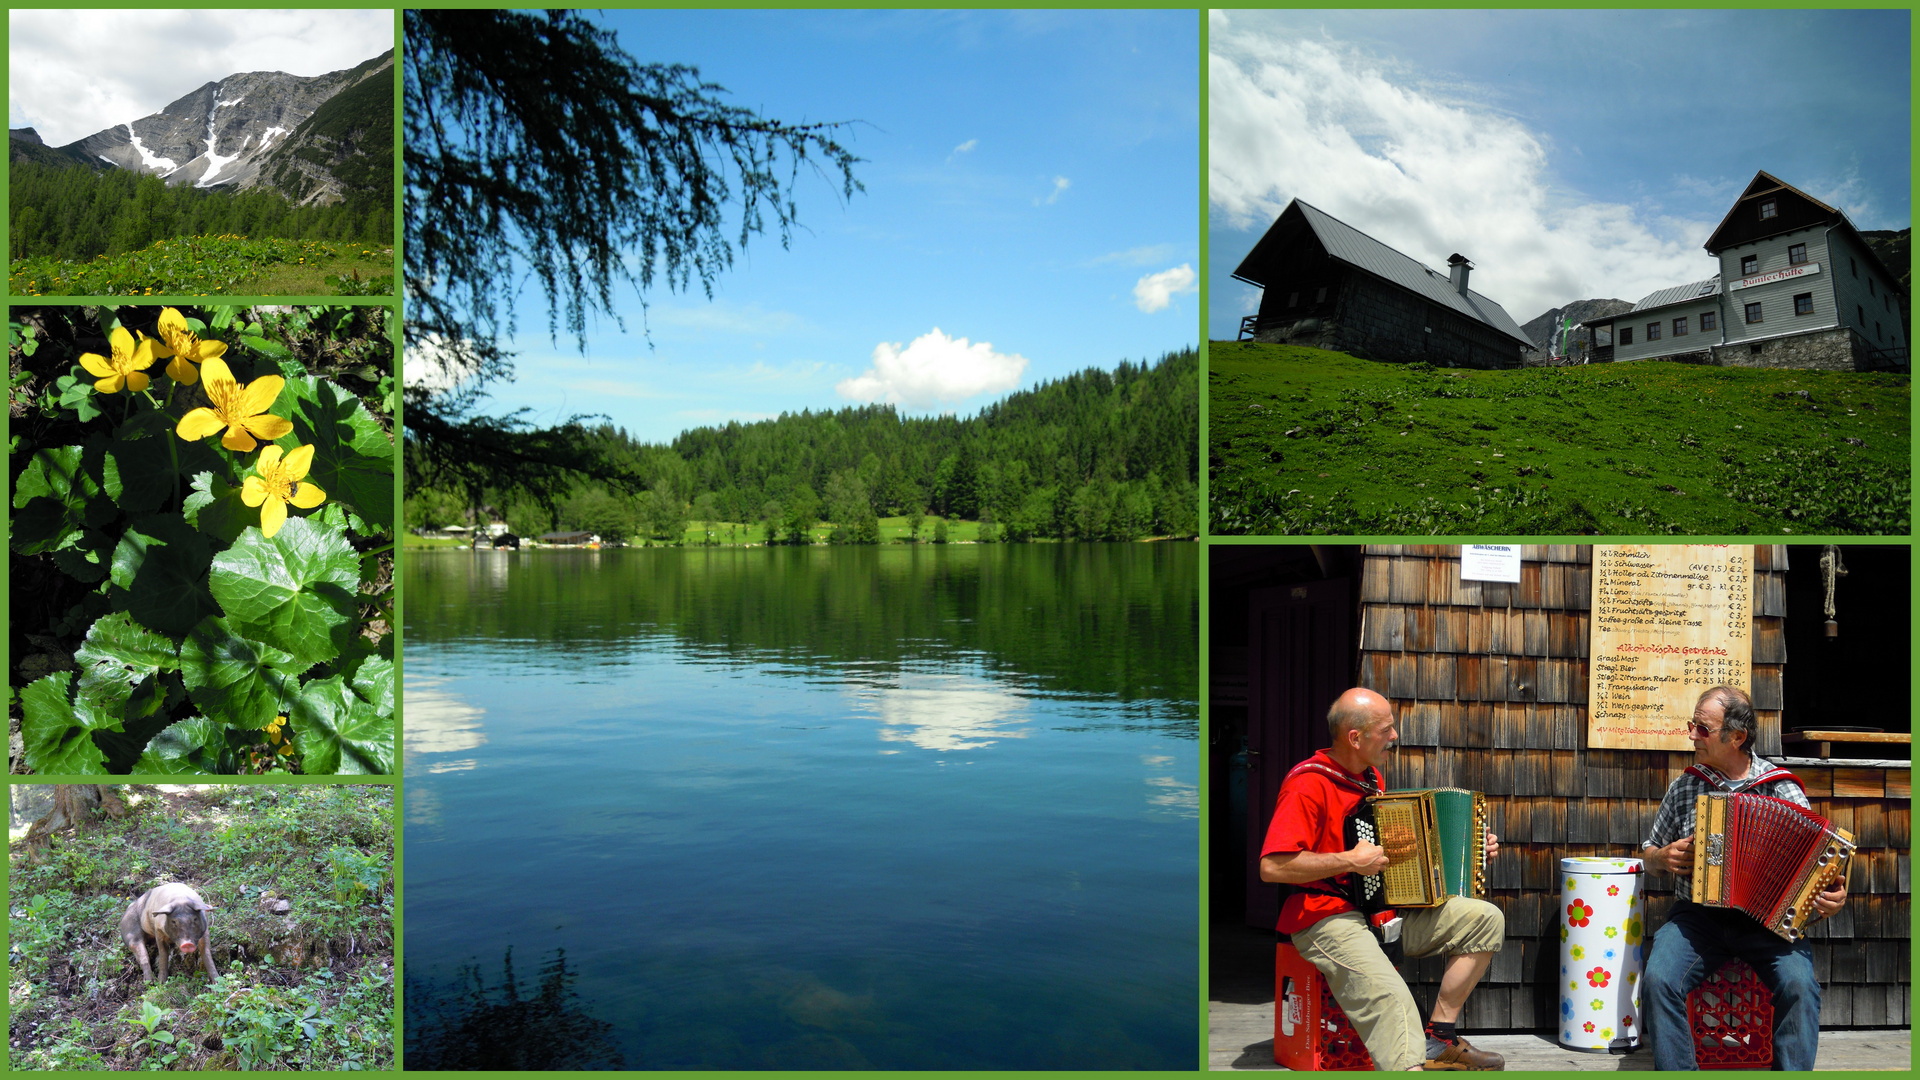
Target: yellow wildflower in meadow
point(128, 366)
point(279, 481)
point(185, 347)
point(242, 411)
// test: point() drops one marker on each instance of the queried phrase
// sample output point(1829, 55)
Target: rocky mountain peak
point(217, 134)
point(1541, 329)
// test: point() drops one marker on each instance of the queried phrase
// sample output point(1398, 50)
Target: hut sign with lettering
point(1669, 621)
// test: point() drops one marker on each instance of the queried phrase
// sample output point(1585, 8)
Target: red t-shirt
point(1309, 817)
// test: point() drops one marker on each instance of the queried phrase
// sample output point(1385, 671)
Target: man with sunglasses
point(1696, 940)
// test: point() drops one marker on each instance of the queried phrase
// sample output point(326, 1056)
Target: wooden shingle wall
point(1489, 681)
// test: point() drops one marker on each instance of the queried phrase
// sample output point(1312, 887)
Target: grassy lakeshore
point(893, 530)
point(1307, 441)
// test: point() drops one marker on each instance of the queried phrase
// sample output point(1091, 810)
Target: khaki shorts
point(1369, 990)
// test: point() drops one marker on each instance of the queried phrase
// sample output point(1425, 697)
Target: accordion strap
point(1719, 779)
point(1371, 782)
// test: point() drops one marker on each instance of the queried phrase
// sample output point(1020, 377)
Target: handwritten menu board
point(1669, 621)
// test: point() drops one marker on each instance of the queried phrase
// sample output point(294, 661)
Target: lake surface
point(830, 808)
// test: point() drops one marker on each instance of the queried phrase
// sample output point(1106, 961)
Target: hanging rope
point(1831, 570)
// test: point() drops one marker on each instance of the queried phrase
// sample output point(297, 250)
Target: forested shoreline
point(77, 214)
point(1097, 455)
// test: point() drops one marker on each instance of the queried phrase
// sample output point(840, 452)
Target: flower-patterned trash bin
point(1603, 945)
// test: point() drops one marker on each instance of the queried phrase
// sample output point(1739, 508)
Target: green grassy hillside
point(1307, 441)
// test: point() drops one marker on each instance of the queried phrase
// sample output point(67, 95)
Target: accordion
point(1436, 844)
point(1766, 857)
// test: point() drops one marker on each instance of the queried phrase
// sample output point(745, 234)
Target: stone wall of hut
point(1490, 680)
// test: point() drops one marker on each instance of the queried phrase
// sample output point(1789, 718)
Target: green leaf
point(352, 453)
point(269, 348)
point(160, 568)
point(130, 652)
point(190, 746)
point(235, 680)
point(215, 508)
point(80, 398)
point(84, 553)
point(335, 731)
point(70, 479)
point(297, 592)
point(141, 476)
point(374, 682)
point(57, 736)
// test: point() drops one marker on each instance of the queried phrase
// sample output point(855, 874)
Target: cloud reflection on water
point(943, 712)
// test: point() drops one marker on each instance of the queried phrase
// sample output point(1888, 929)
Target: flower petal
point(122, 341)
point(216, 373)
point(237, 440)
point(253, 492)
point(273, 514)
point(96, 365)
point(210, 349)
point(172, 322)
point(199, 424)
point(267, 425)
point(182, 371)
point(111, 384)
point(299, 460)
point(136, 381)
point(260, 394)
point(307, 496)
point(269, 460)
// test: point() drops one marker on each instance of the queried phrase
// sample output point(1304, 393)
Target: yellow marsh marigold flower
point(278, 481)
point(236, 408)
point(185, 347)
point(128, 366)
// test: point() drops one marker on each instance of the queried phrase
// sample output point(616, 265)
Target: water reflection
point(943, 712)
point(809, 810)
point(437, 722)
point(511, 1026)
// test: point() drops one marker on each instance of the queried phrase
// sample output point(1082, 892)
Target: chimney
point(1457, 272)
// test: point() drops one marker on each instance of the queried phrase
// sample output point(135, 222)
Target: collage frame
point(1228, 1025)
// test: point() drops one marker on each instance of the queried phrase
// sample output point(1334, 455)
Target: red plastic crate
point(1732, 1019)
point(1310, 1033)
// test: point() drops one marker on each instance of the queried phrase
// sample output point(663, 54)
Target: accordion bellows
point(1436, 843)
point(1766, 857)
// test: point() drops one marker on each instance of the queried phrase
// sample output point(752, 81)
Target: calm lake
point(830, 808)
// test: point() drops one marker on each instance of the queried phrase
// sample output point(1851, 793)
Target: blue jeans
point(1692, 945)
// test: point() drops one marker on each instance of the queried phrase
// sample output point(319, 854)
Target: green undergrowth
point(1308, 441)
point(215, 266)
point(302, 932)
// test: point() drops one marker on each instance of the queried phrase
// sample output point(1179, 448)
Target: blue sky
point(1570, 154)
point(1032, 208)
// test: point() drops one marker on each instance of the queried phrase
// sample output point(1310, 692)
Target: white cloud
point(1322, 122)
point(436, 364)
point(1156, 291)
point(1060, 184)
point(67, 78)
point(1141, 256)
point(934, 369)
point(963, 148)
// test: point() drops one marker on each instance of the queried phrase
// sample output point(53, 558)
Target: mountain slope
point(344, 151)
point(220, 133)
point(25, 144)
point(1540, 329)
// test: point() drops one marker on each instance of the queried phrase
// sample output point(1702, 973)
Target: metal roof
point(1679, 294)
point(1351, 246)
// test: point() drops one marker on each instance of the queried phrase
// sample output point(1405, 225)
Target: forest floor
point(1308, 441)
point(301, 878)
